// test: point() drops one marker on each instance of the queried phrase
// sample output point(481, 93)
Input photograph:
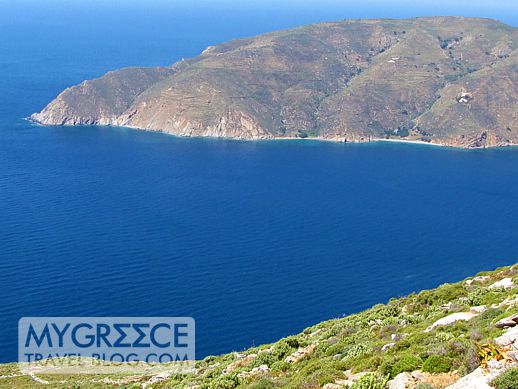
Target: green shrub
point(371, 381)
point(333, 349)
point(406, 362)
point(267, 359)
point(315, 374)
point(355, 351)
point(281, 366)
point(403, 345)
point(279, 352)
point(364, 363)
point(386, 367)
point(444, 294)
point(226, 382)
point(507, 380)
point(437, 364)
point(477, 296)
point(262, 384)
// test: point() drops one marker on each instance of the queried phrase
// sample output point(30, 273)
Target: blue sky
point(482, 5)
point(306, 11)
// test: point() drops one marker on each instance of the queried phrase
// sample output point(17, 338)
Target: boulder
point(418, 375)
point(510, 301)
point(387, 346)
point(265, 350)
point(506, 283)
point(478, 379)
point(300, 354)
point(401, 381)
point(509, 339)
point(450, 319)
point(335, 386)
point(477, 279)
point(510, 321)
point(254, 371)
point(398, 337)
point(239, 363)
point(479, 309)
point(261, 368)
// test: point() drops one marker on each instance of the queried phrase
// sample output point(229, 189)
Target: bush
point(267, 359)
point(443, 294)
point(507, 380)
point(371, 381)
point(355, 351)
point(281, 366)
point(315, 379)
point(477, 296)
point(405, 363)
point(437, 364)
point(226, 382)
point(364, 363)
point(403, 345)
point(263, 384)
point(280, 351)
point(315, 373)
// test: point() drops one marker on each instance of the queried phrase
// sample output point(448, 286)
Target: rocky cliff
point(444, 80)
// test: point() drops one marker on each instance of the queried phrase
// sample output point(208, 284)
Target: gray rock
point(397, 337)
point(387, 346)
point(506, 283)
point(401, 381)
point(510, 321)
point(478, 379)
point(450, 319)
point(508, 339)
point(418, 375)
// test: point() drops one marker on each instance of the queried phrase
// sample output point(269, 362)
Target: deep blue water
point(254, 240)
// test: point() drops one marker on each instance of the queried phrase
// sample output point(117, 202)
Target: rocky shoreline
point(459, 144)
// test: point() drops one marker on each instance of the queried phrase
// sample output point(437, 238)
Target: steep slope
point(489, 114)
point(102, 100)
point(443, 80)
point(463, 334)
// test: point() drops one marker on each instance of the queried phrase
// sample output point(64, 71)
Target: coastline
point(396, 345)
point(373, 140)
point(284, 138)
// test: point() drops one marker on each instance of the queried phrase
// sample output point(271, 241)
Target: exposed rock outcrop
point(454, 317)
point(506, 283)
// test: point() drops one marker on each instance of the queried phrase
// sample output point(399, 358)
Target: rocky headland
point(442, 80)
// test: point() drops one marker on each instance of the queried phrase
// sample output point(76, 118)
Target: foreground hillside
point(461, 334)
point(445, 80)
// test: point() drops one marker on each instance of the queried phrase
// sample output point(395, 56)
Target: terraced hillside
point(463, 334)
point(444, 80)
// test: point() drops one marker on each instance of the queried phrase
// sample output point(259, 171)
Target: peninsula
point(442, 80)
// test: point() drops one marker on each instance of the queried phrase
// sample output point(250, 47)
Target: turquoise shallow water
point(254, 240)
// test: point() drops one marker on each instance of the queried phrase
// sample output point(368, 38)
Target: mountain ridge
point(441, 80)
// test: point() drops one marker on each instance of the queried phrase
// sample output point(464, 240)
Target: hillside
point(443, 80)
point(461, 334)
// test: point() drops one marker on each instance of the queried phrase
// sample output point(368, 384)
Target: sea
point(254, 240)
